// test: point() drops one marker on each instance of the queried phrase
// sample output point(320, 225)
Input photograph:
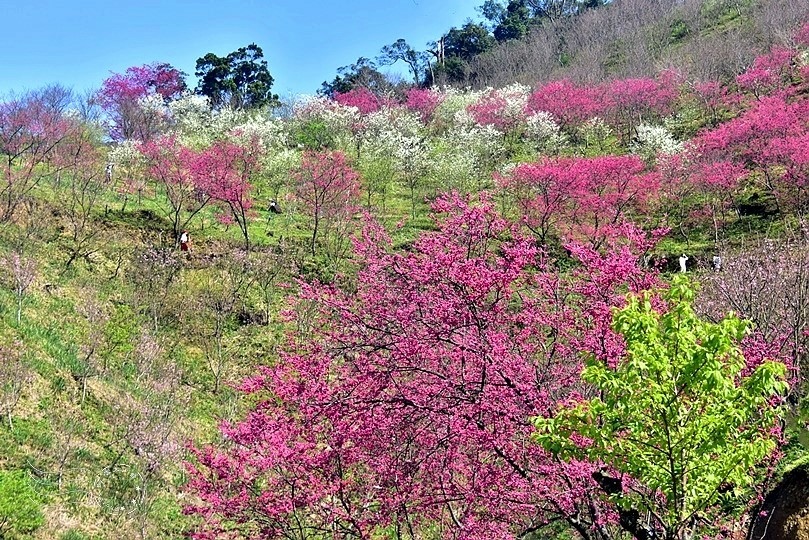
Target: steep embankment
point(704, 40)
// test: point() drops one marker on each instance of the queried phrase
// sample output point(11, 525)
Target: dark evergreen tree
point(241, 79)
point(467, 41)
point(515, 21)
point(362, 74)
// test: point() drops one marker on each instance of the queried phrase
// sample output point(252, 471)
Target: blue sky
point(78, 43)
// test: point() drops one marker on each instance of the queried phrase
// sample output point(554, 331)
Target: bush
point(20, 512)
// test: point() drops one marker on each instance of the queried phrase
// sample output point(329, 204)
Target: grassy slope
point(72, 439)
point(71, 426)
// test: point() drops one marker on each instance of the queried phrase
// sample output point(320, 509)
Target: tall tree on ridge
point(240, 80)
point(401, 50)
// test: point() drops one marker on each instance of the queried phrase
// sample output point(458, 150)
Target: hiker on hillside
point(274, 207)
point(185, 241)
point(717, 263)
point(683, 259)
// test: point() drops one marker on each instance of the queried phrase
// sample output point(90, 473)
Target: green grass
point(52, 424)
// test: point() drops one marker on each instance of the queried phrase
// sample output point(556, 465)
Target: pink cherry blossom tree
point(504, 109)
point(423, 101)
point(327, 188)
point(133, 99)
point(768, 139)
point(31, 128)
point(403, 403)
point(171, 166)
point(569, 103)
point(714, 99)
point(584, 199)
point(226, 169)
point(631, 101)
point(361, 98)
point(768, 73)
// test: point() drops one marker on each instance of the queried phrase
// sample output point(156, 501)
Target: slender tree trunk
point(314, 235)
point(413, 198)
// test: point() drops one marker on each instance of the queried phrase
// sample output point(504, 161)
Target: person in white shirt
point(185, 241)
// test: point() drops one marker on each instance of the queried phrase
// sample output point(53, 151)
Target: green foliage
point(20, 506)
point(467, 41)
point(678, 30)
point(362, 74)
point(453, 68)
point(678, 413)
point(725, 11)
point(120, 332)
point(515, 21)
point(73, 534)
point(33, 433)
point(400, 50)
point(241, 79)
point(314, 135)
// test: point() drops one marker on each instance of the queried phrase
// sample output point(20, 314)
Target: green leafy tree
point(493, 11)
point(679, 418)
point(401, 50)
point(362, 74)
point(240, 80)
point(516, 23)
point(510, 21)
point(20, 511)
point(455, 50)
point(556, 9)
point(467, 41)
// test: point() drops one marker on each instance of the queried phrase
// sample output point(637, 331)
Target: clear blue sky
point(78, 43)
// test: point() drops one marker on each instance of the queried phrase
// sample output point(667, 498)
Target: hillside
point(703, 40)
point(368, 318)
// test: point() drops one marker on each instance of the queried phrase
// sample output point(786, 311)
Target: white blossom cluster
point(398, 133)
point(193, 120)
point(125, 154)
point(462, 119)
point(543, 131)
point(270, 132)
point(394, 119)
point(341, 122)
point(152, 103)
point(196, 124)
point(335, 116)
point(507, 169)
point(127, 163)
point(515, 96)
point(462, 159)
point(454, 101)
point(651, 141)
point(191, 110)
point(450, 171)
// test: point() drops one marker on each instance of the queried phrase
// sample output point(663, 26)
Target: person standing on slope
point(185, 241)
